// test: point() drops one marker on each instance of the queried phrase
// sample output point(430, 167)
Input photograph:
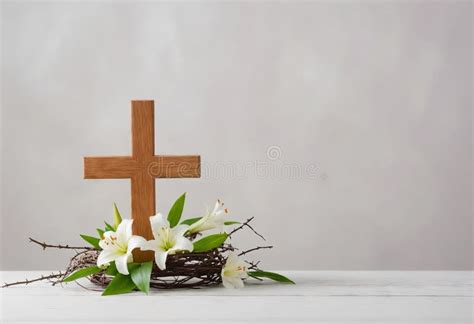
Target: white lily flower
point(167, 240)
point(211, 220)
point(118, 246)
point(233, 272)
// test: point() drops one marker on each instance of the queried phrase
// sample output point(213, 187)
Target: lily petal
point(151, 245)
point(198, 226)
point(160, 259)
point(105, 242)
point(243, 275)
point(136, 242)
point(216, 206)
point(158, 221)
point(124, 230)
point(183, 244)
point(179, 230)
point(121, 263)
point(107, 256)
point(232, 282)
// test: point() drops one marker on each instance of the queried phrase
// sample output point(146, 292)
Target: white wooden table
point(318, 297)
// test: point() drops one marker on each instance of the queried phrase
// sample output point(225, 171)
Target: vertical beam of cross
point(142, 168)
point(143, 150)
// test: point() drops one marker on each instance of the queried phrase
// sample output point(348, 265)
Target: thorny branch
point(246, 224)
point(255, 249)
point(252, 265)
point(183, 270)
point(28, 281)
point(44, 245)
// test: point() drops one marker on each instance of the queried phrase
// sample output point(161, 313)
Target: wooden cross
point(142, 168)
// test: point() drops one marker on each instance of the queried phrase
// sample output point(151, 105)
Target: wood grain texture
point(143, 184)
point(109, 167)
point(142, 168)
point(143, 206)
point(143, 129)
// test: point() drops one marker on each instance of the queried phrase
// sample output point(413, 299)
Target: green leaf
point(112, 269)
point(132, 266)
point(109, 227)
point(94, 241)
point(117, 217)
point(100, 232)
point(141, 276)
point(209, 242)
point(255, 277)
point(231, 222)
point(121, 284)
point(190, 221)
point(270, 275)
point(176, 210)
point(82, 273)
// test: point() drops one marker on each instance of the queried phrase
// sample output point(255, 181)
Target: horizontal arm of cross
point(109, 167)
point(158, 166)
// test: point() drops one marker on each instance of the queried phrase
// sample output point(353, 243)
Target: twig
point(227, 247)
point(258, 234)
point(253, 265)
point(44, 245)
point(241, 226)
point(246, 223)
point(26, 281)
point(255, 249)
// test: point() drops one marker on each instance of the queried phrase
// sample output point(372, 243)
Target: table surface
point(317, 297)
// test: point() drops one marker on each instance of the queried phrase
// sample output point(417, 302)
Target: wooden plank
point(143, 185)
point(143, 129)
point(143, 206)
point(308, 284)
point(109, 167)
point(318, 297)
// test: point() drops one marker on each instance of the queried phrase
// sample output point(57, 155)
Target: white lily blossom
point(118, 246)
point(213, 219)
point(233, 272)
point(167, 240)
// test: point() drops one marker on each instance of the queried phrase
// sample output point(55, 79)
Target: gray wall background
point(369, 104)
